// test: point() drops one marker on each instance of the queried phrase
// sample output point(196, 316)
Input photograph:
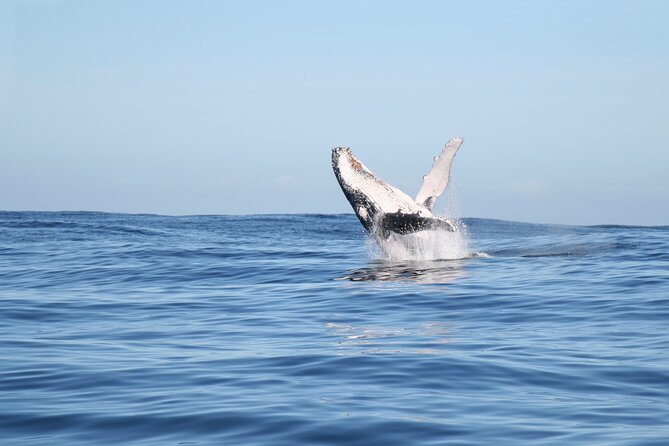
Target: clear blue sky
point(190, 107)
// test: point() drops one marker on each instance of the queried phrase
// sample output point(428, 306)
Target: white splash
point(429, 244)
point(424, 245)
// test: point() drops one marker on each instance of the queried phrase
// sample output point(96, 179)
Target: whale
point(384, 209)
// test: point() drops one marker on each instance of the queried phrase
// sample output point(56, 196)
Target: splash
point(429, 244)
point(422, 245)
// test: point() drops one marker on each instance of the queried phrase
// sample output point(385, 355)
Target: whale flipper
point(369, 195)
point(382, 208)
point(436, 181)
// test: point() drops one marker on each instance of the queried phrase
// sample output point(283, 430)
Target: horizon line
point(266, 214)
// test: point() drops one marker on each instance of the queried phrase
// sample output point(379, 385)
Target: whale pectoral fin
point(436, 181)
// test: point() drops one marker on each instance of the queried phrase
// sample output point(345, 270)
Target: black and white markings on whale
point(382, 208)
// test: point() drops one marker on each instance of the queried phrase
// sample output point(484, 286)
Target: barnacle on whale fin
point(356, 164)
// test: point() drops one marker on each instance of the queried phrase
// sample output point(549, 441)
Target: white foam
point(429, 244)
point(423, 245)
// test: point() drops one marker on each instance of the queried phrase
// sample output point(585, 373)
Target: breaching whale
point(382, 208)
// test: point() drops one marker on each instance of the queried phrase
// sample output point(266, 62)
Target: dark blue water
point(281, 330)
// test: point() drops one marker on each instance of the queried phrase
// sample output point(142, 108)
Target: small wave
point(94, 226)
point(610, 226)
point(36, 224)
point(129, 230)
point(566, 250)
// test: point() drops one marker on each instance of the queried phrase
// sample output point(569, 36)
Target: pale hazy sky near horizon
point(232, 107)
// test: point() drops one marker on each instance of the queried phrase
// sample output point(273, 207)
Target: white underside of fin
point(387, 198)
point(436, 181)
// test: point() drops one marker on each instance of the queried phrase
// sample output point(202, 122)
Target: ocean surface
point(296, 330)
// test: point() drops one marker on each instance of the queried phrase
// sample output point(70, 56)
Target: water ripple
point(280, 329)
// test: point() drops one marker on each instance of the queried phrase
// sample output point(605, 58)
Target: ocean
point(297, 330)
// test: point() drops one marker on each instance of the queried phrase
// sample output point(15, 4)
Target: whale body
point(383, 209)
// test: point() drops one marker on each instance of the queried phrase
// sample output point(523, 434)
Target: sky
point(232, 107)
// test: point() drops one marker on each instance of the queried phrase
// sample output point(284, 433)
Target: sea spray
point(426, 244)
point(422, 245)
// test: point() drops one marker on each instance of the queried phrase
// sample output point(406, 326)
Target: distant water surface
point(284, 330)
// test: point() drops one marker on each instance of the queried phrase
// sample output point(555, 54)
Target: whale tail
point(435, 182)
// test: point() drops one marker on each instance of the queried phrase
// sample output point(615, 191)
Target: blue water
point(283, 330)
